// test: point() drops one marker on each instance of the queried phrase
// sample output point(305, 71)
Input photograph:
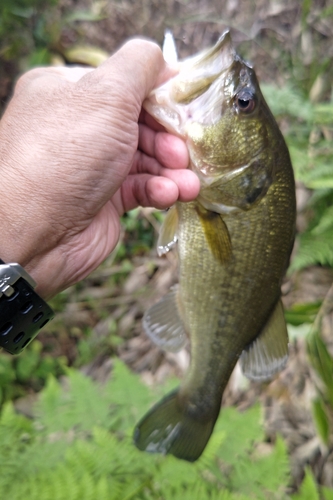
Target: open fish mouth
point(194, 95)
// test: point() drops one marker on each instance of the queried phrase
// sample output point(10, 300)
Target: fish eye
point(245, 102)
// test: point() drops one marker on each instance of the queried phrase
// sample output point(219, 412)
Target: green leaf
point(299, 332)
point(129, 394)
point(326, 221)
point(241, 430)
point(76, 449)
point(81, 54)
point(321, 419)
point(322, 362)
point(324, 113)
point(308, 489)
point(182, 473)
point(82, 405)
point(287, 100)
point(84, 16)
point(313, 249)
point(302, 313)
point(327, 493)
point(27, 365)
point(266, 476)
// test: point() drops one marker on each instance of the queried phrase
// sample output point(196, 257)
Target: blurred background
point(70, 401)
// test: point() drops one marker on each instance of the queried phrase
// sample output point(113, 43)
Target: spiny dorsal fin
point(216, 233)
point(168, 232)
point(163, 325)
point(268, 353)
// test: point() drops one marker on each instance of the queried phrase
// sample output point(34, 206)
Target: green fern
point(79, 447)
point(308, 490)
point(308, 138)
point(314, 249)
point(288, 101)
point(327, 493)
point(264, 476)
point(326, 222)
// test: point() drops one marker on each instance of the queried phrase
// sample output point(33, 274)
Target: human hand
point(76, 151)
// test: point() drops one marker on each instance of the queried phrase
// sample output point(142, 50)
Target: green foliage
point(31, 368)
point(288, 101)
point(31, 30)
point(314, 250)
point(308, 490)
point(322, 408)
point(320, 418)
point(140, 235)
point(322, 362)
point(302, 313)
point(309, 137)
point(327, 493)
point(26, 29)
point(79, 446)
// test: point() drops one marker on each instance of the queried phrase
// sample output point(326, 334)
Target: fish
point(234, 243)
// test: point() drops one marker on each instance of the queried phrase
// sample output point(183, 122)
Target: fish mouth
point(192, 96)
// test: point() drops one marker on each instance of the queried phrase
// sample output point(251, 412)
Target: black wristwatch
point(22, 311)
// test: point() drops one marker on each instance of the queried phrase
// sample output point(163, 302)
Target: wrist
point(18, 254)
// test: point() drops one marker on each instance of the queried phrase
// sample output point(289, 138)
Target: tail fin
point(169, 428)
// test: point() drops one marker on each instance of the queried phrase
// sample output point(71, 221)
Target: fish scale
point(241, 284)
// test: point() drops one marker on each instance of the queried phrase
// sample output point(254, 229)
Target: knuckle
point(29, 76)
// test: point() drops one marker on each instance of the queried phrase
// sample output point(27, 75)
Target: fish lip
point(212, 63)
point(222, 67)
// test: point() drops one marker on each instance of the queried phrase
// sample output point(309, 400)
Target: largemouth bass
point(234, 244)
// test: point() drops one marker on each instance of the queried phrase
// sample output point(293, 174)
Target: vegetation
point(85, 431)
point(309, 137)
point(78, 444)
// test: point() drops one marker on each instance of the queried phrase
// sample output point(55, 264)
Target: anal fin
point(268, 353)
point(163, 325)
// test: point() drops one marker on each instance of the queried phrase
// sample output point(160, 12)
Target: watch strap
point(22, 313)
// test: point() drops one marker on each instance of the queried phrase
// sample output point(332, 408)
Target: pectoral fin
point(216, 233)
point(163, 325)
point(268, 353)
point(168, 232)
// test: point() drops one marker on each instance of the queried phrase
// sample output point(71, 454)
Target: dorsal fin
point(268, 353)
point(216, 232)
point(163, 325)
point(168, 232)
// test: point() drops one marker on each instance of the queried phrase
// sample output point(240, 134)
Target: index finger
point(147, 119)
point(169, 150)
